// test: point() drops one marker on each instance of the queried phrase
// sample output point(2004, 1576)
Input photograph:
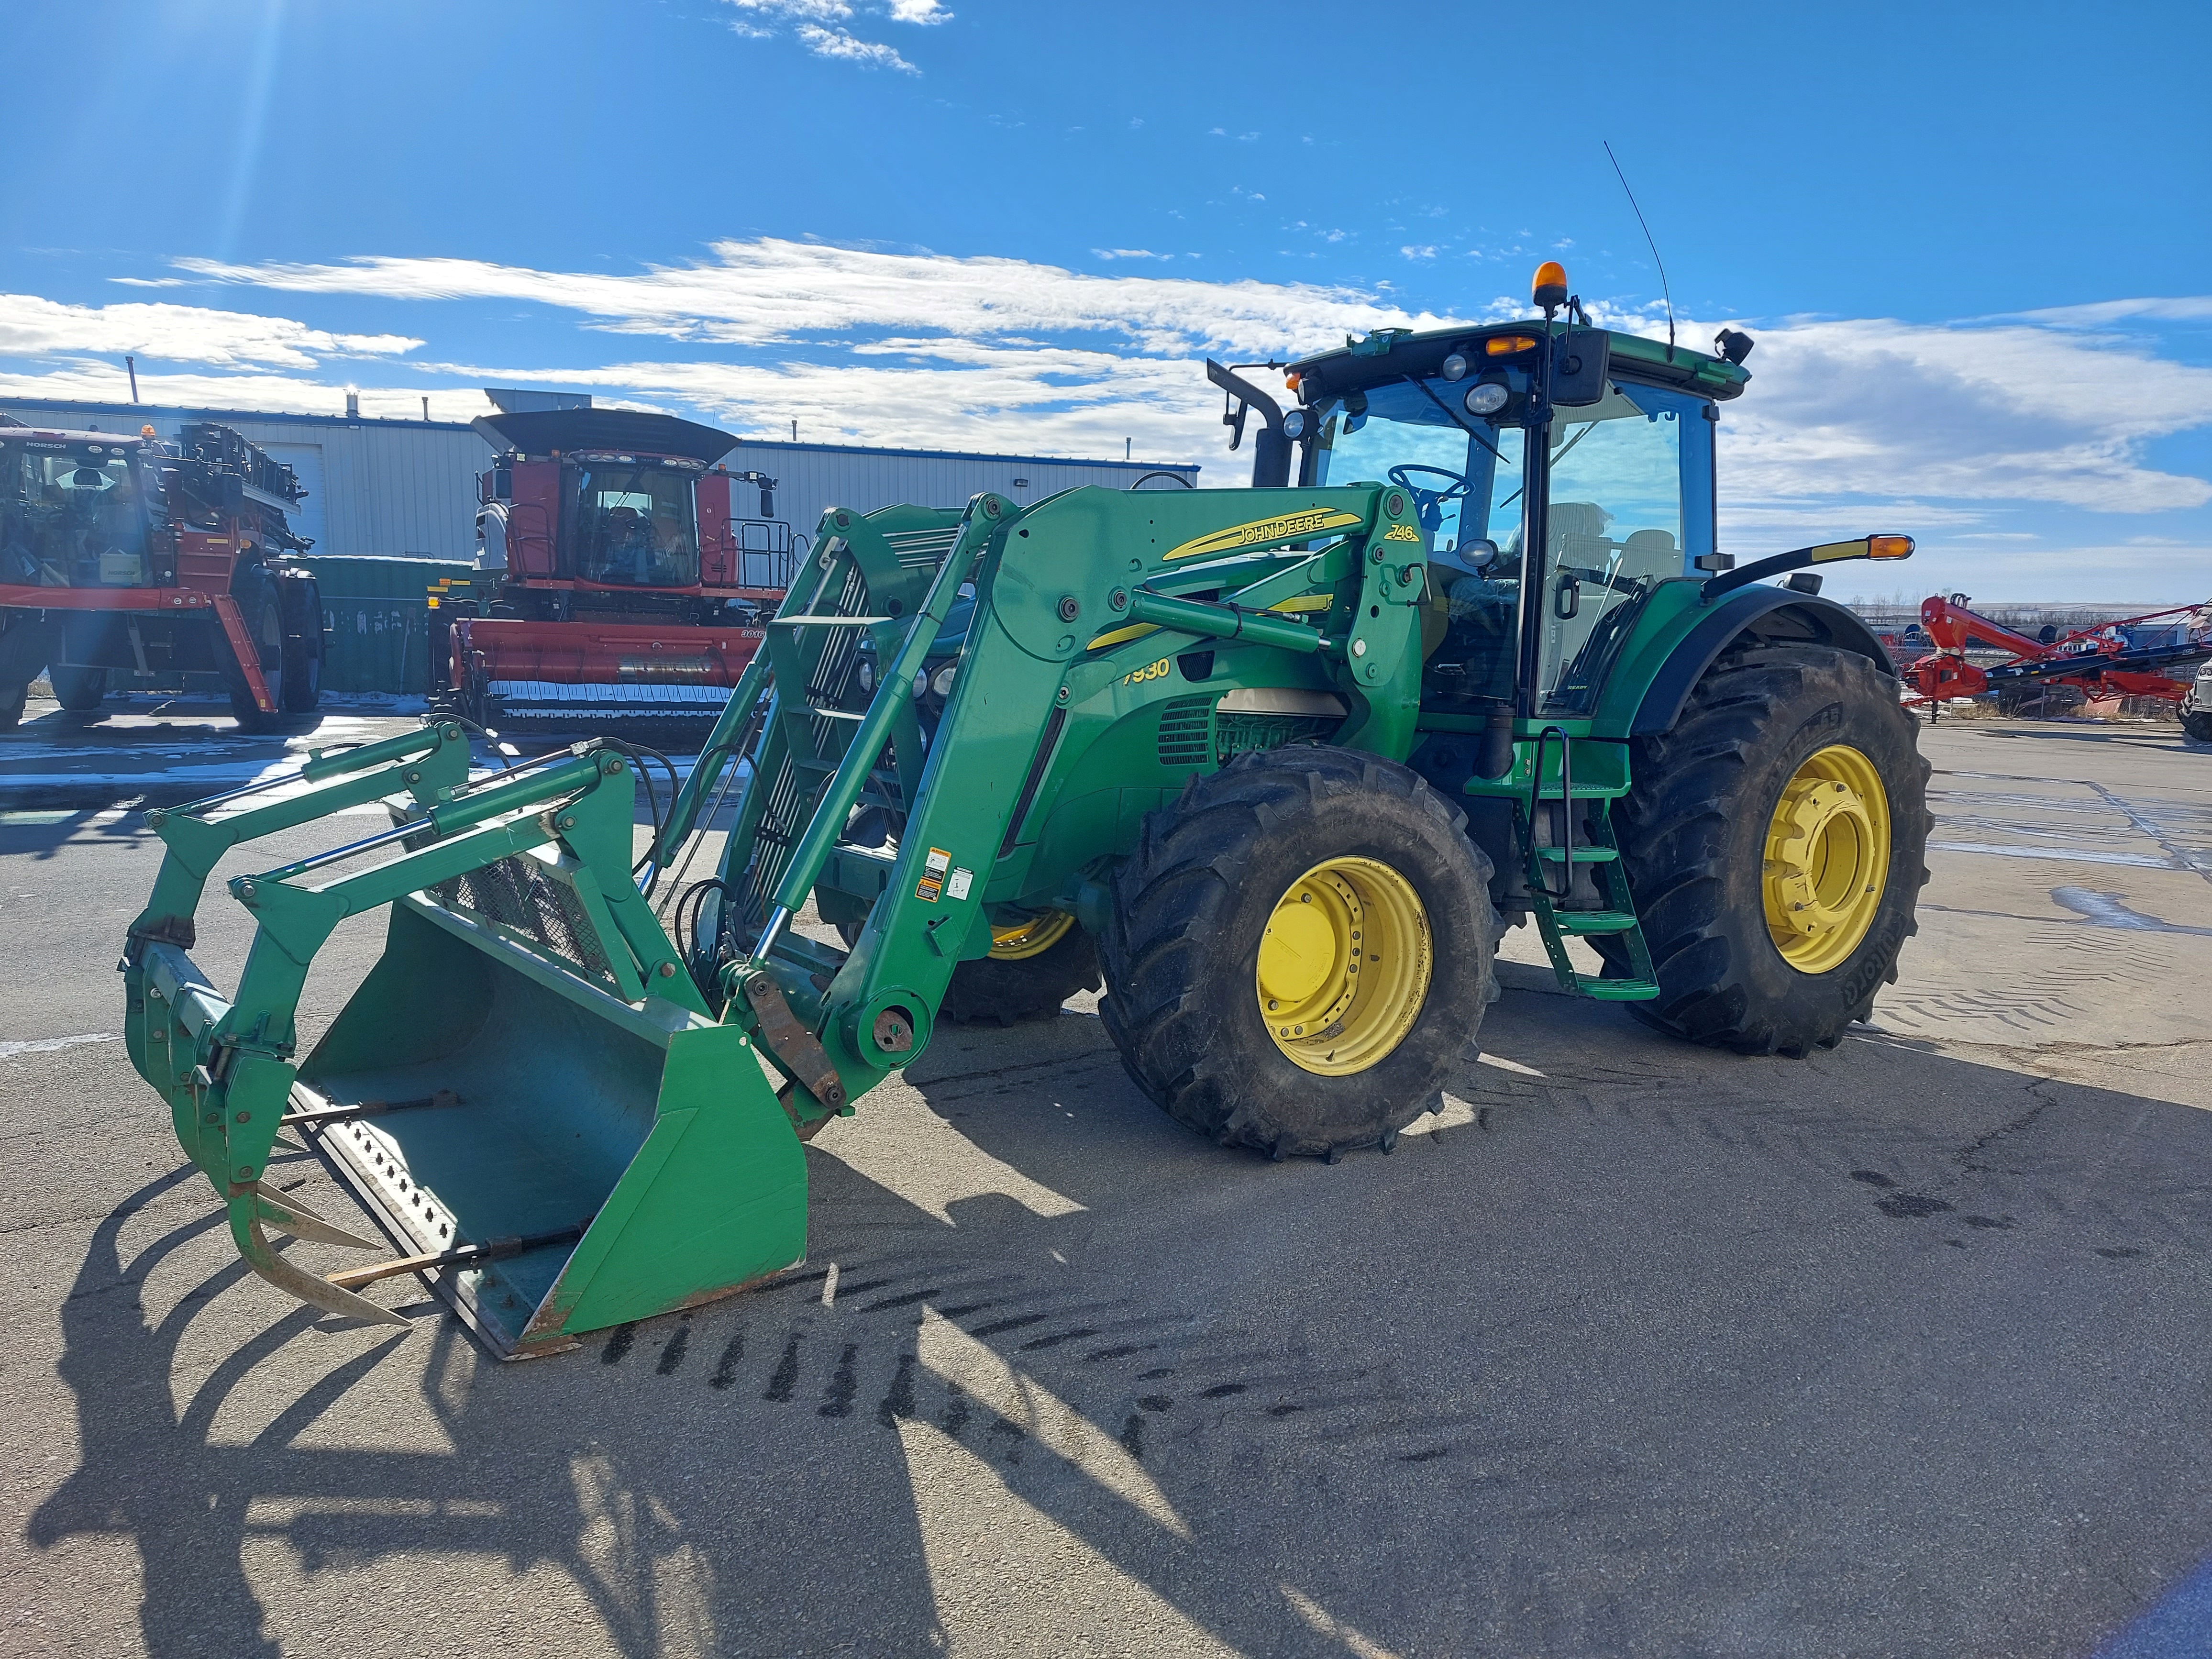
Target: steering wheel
point(1428, 503)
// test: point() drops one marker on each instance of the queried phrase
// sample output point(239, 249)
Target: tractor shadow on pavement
point(1643, 1348)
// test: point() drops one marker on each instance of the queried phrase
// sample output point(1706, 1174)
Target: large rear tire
point(79, 689)
point(1775, 842)
point(1241, 926)
point(1035, 964)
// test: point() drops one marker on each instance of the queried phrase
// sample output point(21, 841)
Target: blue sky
point(1971, 241)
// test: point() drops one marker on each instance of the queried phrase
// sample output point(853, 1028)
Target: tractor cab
point(1622, 498)
point(73, 511)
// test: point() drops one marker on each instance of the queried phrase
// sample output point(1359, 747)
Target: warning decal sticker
point(932, 875)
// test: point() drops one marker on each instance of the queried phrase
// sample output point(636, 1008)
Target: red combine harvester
point(2133, 657)
point(124, 560)
point(620, 586)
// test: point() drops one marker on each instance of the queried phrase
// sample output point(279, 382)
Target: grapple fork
point(528, 1092)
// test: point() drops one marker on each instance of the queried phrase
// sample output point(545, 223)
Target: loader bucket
point(616, 1163)
point(527, 1091)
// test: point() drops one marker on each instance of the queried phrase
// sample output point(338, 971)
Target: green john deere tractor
point(1273, 762)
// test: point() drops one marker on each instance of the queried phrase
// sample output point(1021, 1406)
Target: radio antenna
point(1650, 239)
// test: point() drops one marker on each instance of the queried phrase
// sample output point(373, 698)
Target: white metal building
point(408, 489)
point(812, 476)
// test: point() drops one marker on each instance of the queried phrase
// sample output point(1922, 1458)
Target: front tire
point(80, 689)
point(1238, 928)
point(1790, 769)
point(12, 701)
point(2197, 724)
point(1035, 964)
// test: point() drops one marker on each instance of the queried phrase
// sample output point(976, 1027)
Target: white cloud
point(2187, 308)
point(2010, 411)
point(31, 326)
point(817, 23)
point(837, 43)
point(84, 380)
point(1419, 251)
point(770, 291)
point(1929, 428)
point(788, 11)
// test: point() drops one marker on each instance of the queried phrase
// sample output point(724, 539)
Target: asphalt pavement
point(1637, 1348)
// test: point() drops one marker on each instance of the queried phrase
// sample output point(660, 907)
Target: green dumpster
point(376, 621)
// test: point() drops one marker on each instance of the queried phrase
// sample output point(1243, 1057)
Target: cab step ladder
point(1550, 872)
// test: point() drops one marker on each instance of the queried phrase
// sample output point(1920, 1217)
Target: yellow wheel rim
point(1344, 966)
point(1827, 859)
point(1031, 936)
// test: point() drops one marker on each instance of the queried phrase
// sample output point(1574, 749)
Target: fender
point(1776, 615)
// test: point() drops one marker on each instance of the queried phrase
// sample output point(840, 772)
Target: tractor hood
point(1389, 356)
point(542, 431)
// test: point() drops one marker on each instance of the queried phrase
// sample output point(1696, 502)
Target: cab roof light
point(1548, 292)
point(1505, 345)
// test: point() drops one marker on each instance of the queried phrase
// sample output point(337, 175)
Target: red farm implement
point(2146, 656)
point(127, 564)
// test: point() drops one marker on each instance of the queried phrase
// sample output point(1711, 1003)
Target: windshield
point(636, 526)
point(1459, 472)
point(70, 515)
point(1621, 470)
point(1465, 476)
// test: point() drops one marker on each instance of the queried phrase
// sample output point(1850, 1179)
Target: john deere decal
point(1286, 527)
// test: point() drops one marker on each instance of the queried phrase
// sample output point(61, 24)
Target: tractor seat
point(1647, 552)
point(1581, 520)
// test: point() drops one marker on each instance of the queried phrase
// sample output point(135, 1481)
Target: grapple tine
point(287, 1214)
point(245, 1230)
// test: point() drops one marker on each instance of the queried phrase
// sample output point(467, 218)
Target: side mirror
point(1580, 360)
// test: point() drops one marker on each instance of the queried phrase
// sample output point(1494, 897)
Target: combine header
point(2107, 660)
point(620, 584)
point(1277, 761)
point(123, 560)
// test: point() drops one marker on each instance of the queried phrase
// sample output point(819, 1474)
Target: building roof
point(137, 412)
point(965, 455)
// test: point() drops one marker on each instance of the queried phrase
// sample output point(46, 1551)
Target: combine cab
point(128, 562)
point(621, 583)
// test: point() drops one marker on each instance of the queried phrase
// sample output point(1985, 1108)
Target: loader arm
point(1085, 605)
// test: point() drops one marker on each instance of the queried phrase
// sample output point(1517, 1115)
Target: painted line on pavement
point(2142, 859)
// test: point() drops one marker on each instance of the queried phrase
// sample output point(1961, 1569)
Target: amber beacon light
point(1549, 291)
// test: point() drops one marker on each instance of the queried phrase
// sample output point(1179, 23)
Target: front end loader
point(1274, 763)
